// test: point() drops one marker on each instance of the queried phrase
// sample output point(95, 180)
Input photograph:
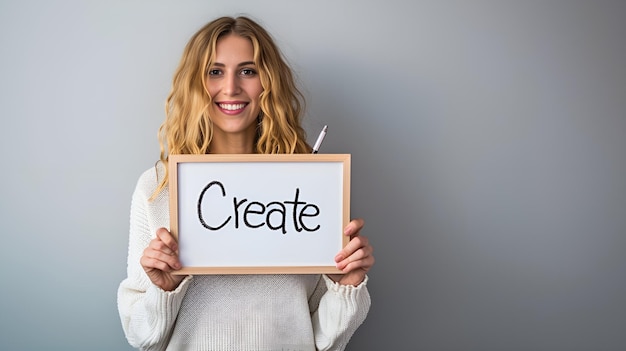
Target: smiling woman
point(234, 94)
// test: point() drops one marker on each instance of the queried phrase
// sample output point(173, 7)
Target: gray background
point(488, 143)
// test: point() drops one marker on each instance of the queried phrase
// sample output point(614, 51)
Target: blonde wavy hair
point(188, 129)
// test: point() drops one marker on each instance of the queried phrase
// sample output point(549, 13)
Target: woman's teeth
point(232, 107)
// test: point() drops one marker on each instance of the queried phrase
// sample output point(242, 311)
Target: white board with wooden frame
point(259, 214)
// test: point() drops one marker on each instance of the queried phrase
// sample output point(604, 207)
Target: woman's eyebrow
point(246, 63)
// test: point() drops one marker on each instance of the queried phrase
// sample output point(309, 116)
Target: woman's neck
point(223, 143)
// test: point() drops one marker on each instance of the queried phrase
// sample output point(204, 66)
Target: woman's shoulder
point(149, 180)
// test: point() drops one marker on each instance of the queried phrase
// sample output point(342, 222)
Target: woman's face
point(235, 87)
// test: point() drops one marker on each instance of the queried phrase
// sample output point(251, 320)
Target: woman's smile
point(231, 107)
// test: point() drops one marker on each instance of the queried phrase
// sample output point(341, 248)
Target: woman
point(232, 93)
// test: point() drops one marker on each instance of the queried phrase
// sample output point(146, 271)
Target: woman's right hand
point(160, 258)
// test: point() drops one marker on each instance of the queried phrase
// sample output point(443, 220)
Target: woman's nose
point(231, 85)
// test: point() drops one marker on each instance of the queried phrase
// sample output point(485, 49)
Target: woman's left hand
point(356, 258)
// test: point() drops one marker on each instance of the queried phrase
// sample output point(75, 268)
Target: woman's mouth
point(231, 108)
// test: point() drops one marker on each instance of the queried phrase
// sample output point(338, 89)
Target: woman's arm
point(346, 301)
point(146, 310)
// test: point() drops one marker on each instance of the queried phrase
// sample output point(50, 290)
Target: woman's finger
point(353, 245)
point(167, 238)
point(365, 264)
point(151, 263)
point(354, 227)
point(169, 259)
point(362, 254)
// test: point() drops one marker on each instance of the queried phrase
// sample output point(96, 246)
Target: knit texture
point(229, 312)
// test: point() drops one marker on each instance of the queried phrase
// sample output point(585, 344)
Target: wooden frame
point(304, 243)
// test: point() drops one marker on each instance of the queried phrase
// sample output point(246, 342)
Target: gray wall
point(489, 160)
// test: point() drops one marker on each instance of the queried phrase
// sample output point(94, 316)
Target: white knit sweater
point(229, 312)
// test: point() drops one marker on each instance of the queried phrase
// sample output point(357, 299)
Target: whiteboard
point(256, 214)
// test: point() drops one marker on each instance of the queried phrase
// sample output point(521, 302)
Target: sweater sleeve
point(341, 310)
point(147, 312)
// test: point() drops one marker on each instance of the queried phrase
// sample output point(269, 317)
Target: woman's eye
point(213, 72)
point(248, 72)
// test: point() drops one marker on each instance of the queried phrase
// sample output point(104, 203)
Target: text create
point(255, 214)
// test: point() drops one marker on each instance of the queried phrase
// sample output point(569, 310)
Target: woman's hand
point(356, 258)
point(160, 258)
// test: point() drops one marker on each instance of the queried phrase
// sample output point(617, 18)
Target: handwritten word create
point(255, 214)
